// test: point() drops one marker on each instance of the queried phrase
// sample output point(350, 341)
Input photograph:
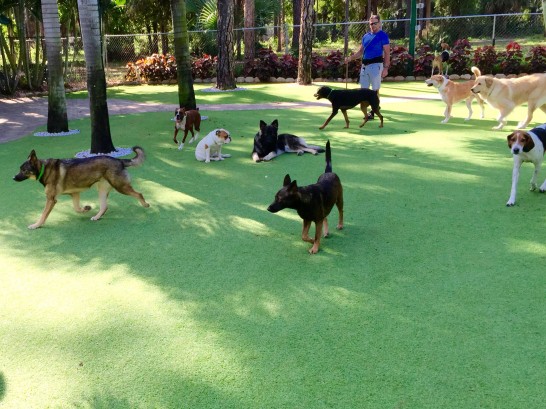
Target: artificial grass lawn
point(431, 297)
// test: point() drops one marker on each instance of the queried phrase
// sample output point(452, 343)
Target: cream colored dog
point(210, 147)
point(453, 92)
point(507, 93)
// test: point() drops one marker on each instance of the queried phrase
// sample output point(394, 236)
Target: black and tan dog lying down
point(72, 176)
point(344, 99)
point(269, 144)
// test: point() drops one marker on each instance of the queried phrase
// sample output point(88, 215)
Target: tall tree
point(225, 73)
point(250, 35)
point(57, 119)
point(306, 43)
point(101, 138)
point(296, 16)
point(186, 93)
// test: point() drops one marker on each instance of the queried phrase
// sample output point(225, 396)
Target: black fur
point(313, 202)
point(344, 99)
point(269, 144)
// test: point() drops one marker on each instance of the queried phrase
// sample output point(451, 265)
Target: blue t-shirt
point(373, 44)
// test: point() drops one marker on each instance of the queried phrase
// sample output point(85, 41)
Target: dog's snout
point(515, 151)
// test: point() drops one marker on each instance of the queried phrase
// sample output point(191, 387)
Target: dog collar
point(329, 94)
point(41, 173)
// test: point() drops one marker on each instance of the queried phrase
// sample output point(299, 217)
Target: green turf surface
point(431, 297)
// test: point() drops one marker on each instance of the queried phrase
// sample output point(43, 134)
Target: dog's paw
point(533, 187)
point(510, 203)
point(300, 153)
point(339, 227)
point(445, 121)
point(181, 146)
point(542, 190)
point(321, 127)
point(34, 226)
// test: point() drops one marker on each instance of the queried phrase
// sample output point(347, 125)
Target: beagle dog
point(527, 146)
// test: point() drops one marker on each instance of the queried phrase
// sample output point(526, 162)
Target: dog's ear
point(488, 82)
point(32, 155)
point(275, 123)
point(528, 143)
point(510, 139)
point(293, 187)
point(262, 125)
point(287, 180)
point(183, 110)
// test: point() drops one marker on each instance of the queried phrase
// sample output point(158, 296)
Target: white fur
point(535, 156)
point(210, 147)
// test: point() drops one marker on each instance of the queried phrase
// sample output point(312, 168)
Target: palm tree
point(225, 73)
point(306, 43)
point(186, 94)
point(57, 119)
point(101, 138)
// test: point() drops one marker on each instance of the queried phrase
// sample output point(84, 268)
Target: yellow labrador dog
point(507, 93)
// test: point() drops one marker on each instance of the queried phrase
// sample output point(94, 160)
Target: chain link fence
point(497, 30)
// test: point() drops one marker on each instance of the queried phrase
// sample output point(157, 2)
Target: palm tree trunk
point(101, 138)
point(186, 94)
point(306, 43)
point(57, 119)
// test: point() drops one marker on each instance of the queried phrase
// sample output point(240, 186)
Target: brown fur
point(72, 176)
point(313, 202)
point(453, 92)
point(186, 120)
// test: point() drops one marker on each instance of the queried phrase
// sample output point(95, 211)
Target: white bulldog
point(210, 147)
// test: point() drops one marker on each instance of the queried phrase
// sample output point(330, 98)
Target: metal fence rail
point(498, 30)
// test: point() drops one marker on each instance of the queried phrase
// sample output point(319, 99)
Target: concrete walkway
point(21, 116)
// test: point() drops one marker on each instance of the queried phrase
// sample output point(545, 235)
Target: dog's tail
point(138, 159)
point(328, 158)
point(476, 71)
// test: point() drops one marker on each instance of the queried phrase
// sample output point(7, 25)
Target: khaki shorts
point(371, 75)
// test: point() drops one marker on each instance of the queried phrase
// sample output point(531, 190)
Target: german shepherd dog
point(72, 176)
point(268, 143)
point(313, 202)
point(344, 99)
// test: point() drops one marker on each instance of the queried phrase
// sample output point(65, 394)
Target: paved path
point(21, 116)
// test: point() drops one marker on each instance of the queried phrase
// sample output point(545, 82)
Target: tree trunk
point(306, 44)
point(544, 15)
point(225, 75)
point(296, 16)
point(186, 93)
point(250, 35)
point(57, 119)
point(101, 138)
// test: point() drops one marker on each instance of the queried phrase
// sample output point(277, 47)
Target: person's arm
point(356, 55)
point(386, 59)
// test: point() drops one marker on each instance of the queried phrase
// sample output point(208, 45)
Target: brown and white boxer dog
point(186, 120)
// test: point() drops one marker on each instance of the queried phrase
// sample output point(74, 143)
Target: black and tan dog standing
point(344, 99)
point(72, 176)
point(313, 202)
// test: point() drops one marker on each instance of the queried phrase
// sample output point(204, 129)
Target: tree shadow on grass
point(214, 280)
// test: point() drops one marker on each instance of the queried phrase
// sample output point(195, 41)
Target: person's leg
point(374, 72)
